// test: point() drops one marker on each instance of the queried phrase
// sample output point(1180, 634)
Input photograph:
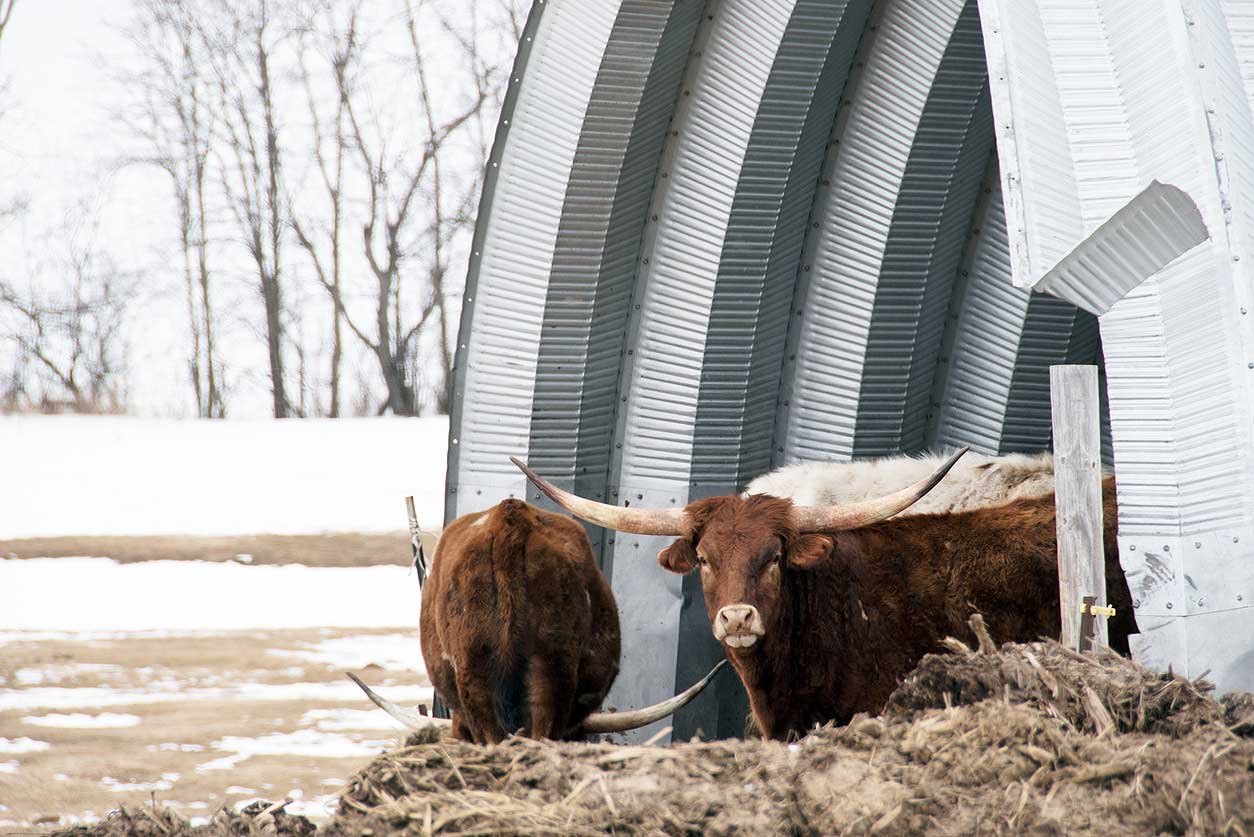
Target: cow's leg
point(478, 712)
point(551, 686)
point(460, 730)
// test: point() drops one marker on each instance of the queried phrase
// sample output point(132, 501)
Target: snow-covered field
point(193, 679)
point(93, 595)
point(105, 475)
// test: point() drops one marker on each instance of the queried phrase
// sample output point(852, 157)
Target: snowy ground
point(98, 595)
point(203, 680)
point(93, 475)
point(196, 719)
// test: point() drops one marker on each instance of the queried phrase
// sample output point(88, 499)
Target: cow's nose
point(737, 621)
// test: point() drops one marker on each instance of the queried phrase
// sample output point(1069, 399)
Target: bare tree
point(241, 54)
point(173, 114)
point(411, 210)
point(330, 147)
point(6, 11)
point(10, 206)
point(67, 325)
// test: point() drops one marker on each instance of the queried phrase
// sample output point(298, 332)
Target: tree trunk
point(274, 343)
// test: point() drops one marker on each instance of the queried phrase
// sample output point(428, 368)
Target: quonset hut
point(717, 237)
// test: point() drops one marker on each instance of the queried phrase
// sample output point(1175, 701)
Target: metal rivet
point(1136, 602)
point(1201, 603)
point(1166, 548)
point(1169, 605)
point(1197, 544)
point(1132, 547)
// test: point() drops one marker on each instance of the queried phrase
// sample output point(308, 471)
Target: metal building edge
point(461, 355)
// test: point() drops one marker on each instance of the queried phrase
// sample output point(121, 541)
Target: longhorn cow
point(520, 632)
point(822, 610)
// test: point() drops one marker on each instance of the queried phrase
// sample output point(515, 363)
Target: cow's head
point(743, 545)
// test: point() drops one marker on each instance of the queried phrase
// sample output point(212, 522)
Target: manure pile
point(1025, 739)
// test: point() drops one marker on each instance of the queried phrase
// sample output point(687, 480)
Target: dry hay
point(259, 819)
point(1025, 739)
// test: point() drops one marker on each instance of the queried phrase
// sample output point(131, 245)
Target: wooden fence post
point(1078, 497)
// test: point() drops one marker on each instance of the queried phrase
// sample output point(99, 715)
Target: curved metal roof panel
point(722, 236)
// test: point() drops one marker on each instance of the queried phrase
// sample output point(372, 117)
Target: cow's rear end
point(519, 628)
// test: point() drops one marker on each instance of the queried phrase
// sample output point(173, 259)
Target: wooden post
point(1078, 497)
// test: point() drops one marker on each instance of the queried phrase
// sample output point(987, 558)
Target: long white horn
point(622, 519)
point(603, 722)
point(855, 515)
point(408, 717)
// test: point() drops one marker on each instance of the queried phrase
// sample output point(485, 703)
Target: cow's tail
point(509, 568)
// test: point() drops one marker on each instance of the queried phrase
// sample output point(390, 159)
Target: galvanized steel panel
point(598, 241)
point(836, 353)
point(719, 236)
point(1142, 94)
point(510, 267)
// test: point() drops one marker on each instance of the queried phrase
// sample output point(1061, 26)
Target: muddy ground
point(168, 717)
point(344, 549)
point(1028, 739)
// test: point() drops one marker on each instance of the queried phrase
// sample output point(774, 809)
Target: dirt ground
point(1026, 739)
point(193, 700)
point(349, 549)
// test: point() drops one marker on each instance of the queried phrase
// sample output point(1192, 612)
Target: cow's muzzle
point(738, 626)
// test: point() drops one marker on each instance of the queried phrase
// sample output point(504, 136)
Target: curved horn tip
point(411, 719)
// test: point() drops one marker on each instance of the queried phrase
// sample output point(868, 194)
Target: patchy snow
point(105, 637)
point(56, 673)
point(79, 720)
point(22, 745)
point(111, 784)
point(8, 767)
point(319, 807)
point(331, 720)
point(108, 475)
point(395, 652)
point(236, 790)
point(93, 697)
point(99, 594)
point(306, 743)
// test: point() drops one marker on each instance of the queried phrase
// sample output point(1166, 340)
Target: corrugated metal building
point(718, 237)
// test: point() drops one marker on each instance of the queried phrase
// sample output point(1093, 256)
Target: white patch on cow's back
point(977, 480)
point(481, 520)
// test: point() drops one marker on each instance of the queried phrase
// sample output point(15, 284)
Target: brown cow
point(520, 631)
point(823, 610)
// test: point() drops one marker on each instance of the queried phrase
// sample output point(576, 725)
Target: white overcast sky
point(60, 147)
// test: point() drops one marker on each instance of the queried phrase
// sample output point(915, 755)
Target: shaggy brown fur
point(519, 627)
point(847, 616)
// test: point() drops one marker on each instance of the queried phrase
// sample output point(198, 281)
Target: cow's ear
point(809, 551)
point(679, 557)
